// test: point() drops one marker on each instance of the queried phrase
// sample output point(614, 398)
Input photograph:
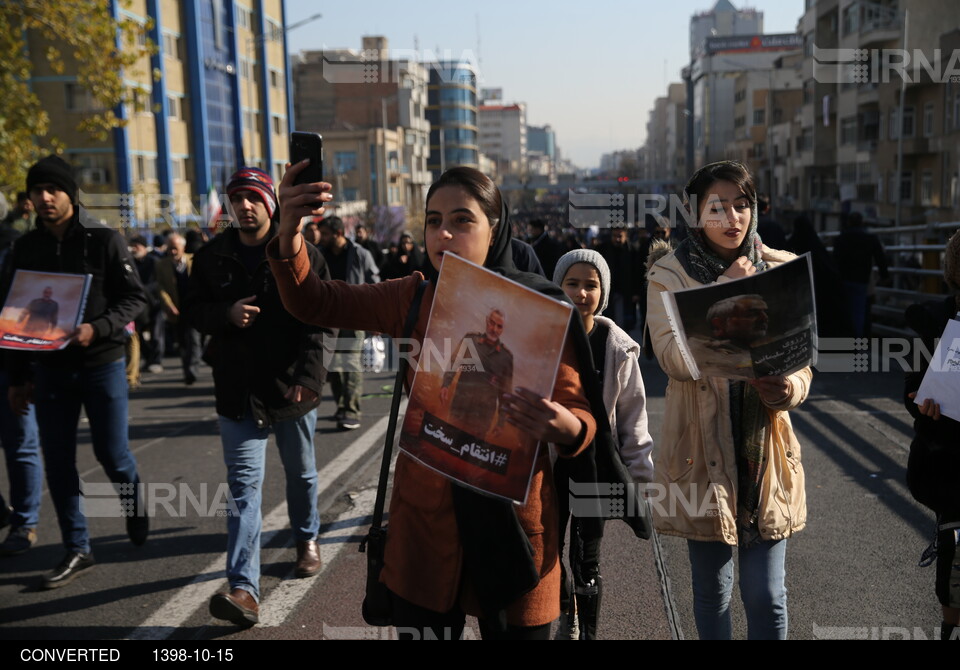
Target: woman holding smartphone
point(452, 551)
point(725, 442)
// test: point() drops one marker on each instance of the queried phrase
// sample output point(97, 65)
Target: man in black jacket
point(90, 372)
point(268, 372)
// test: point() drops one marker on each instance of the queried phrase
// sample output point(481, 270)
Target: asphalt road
point(851, 573)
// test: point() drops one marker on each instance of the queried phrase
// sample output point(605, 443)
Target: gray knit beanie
point(590, 257)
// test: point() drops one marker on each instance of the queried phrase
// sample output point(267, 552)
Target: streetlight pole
point(252, 43)
point(900, 119)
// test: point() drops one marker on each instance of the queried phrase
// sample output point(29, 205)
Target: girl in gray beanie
point(584, 276)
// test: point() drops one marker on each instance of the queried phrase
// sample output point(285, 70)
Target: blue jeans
point(21, 447)
point(762, 589)
point(59, 394)
point(244, 452)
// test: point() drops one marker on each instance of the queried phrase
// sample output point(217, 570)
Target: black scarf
point(498, 556)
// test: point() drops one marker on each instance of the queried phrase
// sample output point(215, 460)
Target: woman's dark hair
point(477, 184)
point(731, 171)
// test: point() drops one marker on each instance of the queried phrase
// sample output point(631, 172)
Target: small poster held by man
point(42, 310)
point(758, 326)
point(486, 337)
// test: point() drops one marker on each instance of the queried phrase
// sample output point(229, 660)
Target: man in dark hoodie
point(268, 371)
point(90, 372)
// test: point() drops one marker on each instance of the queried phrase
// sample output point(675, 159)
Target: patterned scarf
point(748, 416)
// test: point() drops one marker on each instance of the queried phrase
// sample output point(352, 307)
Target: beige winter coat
point(696, 464)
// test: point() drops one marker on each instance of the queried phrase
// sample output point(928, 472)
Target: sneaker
point(5, 513)
point(348, 424)
point(155, 368)
point(71, 567)
point(18, 541)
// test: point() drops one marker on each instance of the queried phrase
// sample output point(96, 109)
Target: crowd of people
point(258, 299)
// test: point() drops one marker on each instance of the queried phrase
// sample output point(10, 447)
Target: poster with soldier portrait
point(486, 337)
point(42, 310)
point(758, 326)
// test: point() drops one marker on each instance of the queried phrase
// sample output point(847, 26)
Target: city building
point(542, 151)
point(724, 20)
point(713, 76)
point(870, 139)
point(503, 137)
point(452, 113)
point(346, 95)
point(764, 99)
point(214, 96)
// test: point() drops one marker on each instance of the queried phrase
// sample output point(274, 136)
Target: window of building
point(171, 46)
point(906, 187)
point(178, 167)
point(79, 99)
point(908, 121)
point(145, 168)
point(175, 107)
point(759, 117)
point(808, 88)
point(139, 101)
point(274, 79)
point(345, 161)
point(350, 195)
point(244, 17)
point(848, 173)
point(279, 126)
point(274, 31)
point(850, 23)
point(926, 188)
point(848, 130)
point(928, 120)
point(92, 169)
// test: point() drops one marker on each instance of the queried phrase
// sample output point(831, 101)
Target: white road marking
point(174, 613)
point(287, 595)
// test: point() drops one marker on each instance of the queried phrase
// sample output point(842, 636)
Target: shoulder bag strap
point(395, 409)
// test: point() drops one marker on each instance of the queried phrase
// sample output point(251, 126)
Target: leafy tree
point(73, 37)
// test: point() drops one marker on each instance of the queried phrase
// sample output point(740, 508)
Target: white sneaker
point(155, 368)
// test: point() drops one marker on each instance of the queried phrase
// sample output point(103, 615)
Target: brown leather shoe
point(237, 607)
point(308, 558)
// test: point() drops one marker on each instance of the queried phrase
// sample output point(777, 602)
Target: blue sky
point(590, 69)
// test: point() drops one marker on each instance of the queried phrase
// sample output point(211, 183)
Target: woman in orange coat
point(452, 551)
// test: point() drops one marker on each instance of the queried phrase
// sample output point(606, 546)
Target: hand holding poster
point(758, 326)
point(486, 337)
point(941, 382)
point(42, 310)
